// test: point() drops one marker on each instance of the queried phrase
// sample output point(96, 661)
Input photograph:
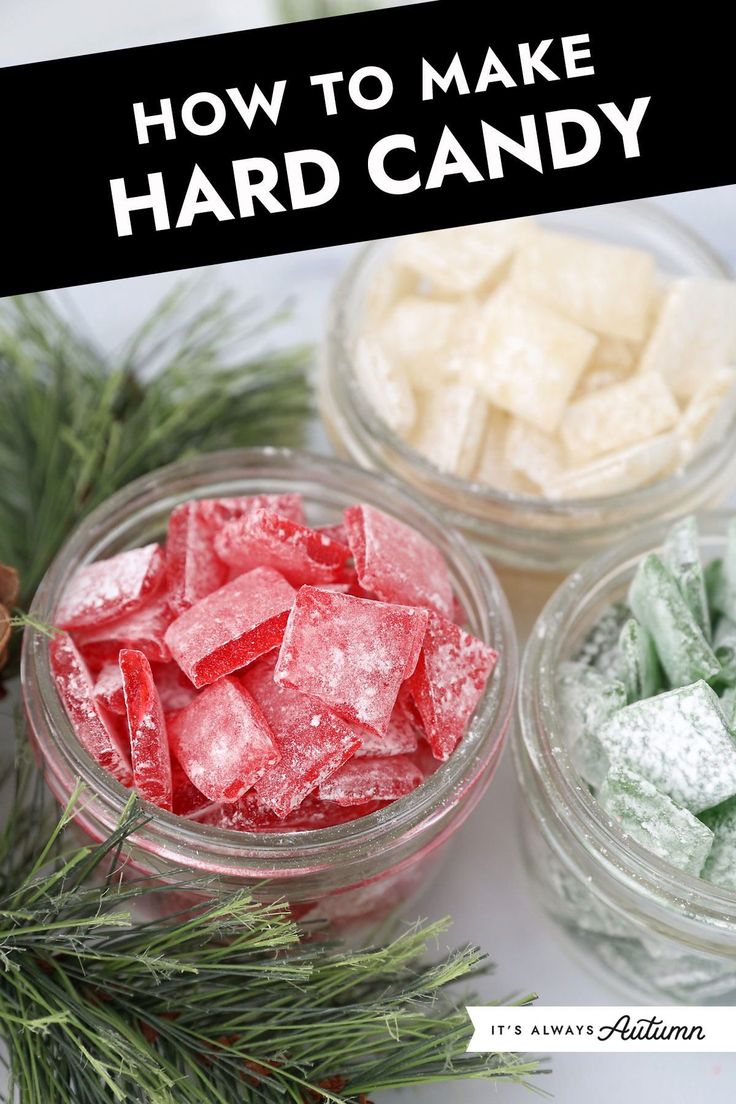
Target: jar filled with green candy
point(626, 753)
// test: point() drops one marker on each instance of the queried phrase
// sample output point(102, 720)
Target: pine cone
point(8, 598)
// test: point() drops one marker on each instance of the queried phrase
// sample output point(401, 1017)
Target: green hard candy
point(681, 555)
point(600, 646)
point(724, 647)
point(721, 865)
point(655, 821)
point(678, 741)
point(640, 670)
point(657, 603)
point(728, 707)
point(723, 582)
point(587, 699)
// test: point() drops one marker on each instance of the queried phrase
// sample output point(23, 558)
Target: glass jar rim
point(598, 835)
point(478, 497)
point(180, 838)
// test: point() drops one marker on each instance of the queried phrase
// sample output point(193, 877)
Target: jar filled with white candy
point(546, 385)
point(627, 760)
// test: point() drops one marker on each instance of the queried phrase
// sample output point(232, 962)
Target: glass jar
point(652, 929)
point(524, 536)
point(355, 874)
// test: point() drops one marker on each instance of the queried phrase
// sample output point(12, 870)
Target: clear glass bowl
point(355, 874)
point(524, 533)
point(645, 926)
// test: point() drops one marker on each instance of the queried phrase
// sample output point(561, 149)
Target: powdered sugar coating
point(143, 629)
point(313, 742)
point(96, 735)
point(149, 745)
point(231, 627)
point(222, 741)
point(400, 739)
point(379, 779)
point(396, 563)
point(174, 688)
point(108, 689)
point(105, 590)
point(450, 677)
point(352, 654)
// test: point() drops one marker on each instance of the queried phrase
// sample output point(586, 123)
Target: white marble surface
point(483, 886)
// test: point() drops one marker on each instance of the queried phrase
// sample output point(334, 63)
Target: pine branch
point(224, 1001)
point(75, 427)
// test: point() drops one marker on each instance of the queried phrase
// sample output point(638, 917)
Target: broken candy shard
point(185, 797)
point(658, 604)
point(174, 688)
point(586, 698)
point(681, 555)
point(364, 780)
point(312, 741)
point(450, 676)
point(144, 630)
point(107, 589)
point(396, 563)
point(231, 627)
point(720, 868)
point(301, 555)
point(109, 689)
point(679, 741)
point(352, 654)
point(640, 670)
point(222, 741)
point(655, 821)
point(149, 743)
point(400, 739)
point(94, 732)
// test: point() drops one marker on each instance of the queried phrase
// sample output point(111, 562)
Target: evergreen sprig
point(222, 1002)
point(75, 426)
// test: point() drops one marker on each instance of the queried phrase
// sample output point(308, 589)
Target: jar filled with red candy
point(306, 678)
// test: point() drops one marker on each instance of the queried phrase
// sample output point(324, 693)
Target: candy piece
point(459, 260)
point(679, 742)
point(450, 427)
point(96, 733)
point(230, 628)
point(350, 653)
point(386, 287)
point(639, 665)
point(492, 468)
point(109, 689)
point(174, 688)
point(599, 648)
point(186, 799)
point(301, 555)
point(720, 867)
point(108, 589)
point(681, 556)
point(530, 360)
point(449, 679)
point(657, 603)
point(365, 780)
point(144, 630)
point(312, 741)
point(249, 814)
point(586, 700)
point(336, 532)
point(605, 288)
point(708, 414)
point(421, 333)
point(400, 739)
point(612, 361)
point(617, 472)
point(385, 385)
point(654, 821)
point(396, 563)
point(695, 333)
point(222, 741)
point(536, 455)
point(724, 578)
point(728, 707)
point(616, 417)
point(192, 569)
point(149, 743)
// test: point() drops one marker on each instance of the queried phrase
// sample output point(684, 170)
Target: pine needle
point(220, 1002)
point(75, 426)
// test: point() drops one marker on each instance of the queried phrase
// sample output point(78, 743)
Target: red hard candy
point(450, 677)
point(109, 689)
point(222, 741)
point(95, 732)
point(144, 629)
point(301, 555)
point(231, 627)
point(103, 591)
point(351, 654)
point(149, 744)
point(379, 779)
